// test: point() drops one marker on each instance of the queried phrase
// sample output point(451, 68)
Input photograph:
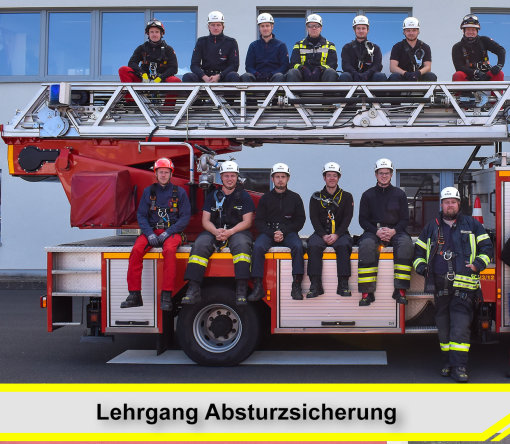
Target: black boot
point(315, 287)
point(459, 374)
point(166, 300)
point(296, 291)
point(241, 290)
point(446, 371)
point(343, 286)
point(366, 299)
point(192, 296)
point(133, 300)
point(399, 294)
point(258, 290)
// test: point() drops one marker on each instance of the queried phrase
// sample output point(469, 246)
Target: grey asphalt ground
point(29, 354)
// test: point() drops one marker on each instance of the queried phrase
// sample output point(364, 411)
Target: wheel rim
point(217, 328)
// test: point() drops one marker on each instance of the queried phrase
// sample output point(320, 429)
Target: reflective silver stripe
point(421, 244)
point(241, 257)
point(459, 347)
point(367, 279)
point(418, 262)
point(198, 260)
point(481, 238)
point(367, 270)
point(428, 249)
point(484, 258)
point(473, 248)
point(403, 267)
point(405, 277)
point(444, 347)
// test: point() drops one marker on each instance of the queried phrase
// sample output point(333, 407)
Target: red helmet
point(164, 163)
point(154, 24)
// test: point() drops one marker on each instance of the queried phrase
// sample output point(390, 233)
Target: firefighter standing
point(470, 56)
point(267, 59)
point(216, 56)
point(361, 59)
point(227, 217)
point(451, 251)
point(330, 213)
point(384, 215)
point(411, 59)
point(154, 61)
point(163, 213)
point(279, 217)
point(314, 58)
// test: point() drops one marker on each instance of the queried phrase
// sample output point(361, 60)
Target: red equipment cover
point(102, 199)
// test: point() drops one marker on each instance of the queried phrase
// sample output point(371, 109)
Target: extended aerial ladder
point(82, 132)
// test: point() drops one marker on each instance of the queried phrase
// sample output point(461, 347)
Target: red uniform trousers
point(142, 246)
point(461, 76)
point(127, 75)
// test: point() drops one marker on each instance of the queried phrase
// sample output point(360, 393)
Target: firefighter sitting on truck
point(384, 215)
point(163, 213)
point(267, 59)
point(330, 213)
point(216, 56)
point(154, 61)
point(411, 59)
point(279, 217)
point(470, 56)
point(361, 59)
point(314, 58)
point(227, 218)
point(450, 252)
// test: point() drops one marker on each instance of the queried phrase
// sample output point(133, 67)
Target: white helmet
point(450, 193)
point(314, 18)
point(280, 168)
point(215, 17)
point(360, 20)
point(383, 163)
point(229, 167)
point(265, 18)
point(411, 23)
point(332, 166)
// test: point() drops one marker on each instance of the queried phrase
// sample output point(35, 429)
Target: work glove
point(145, 79)
point(480, 75)
point(157, 80)
point(496, 69)
point(356, 77)
point(263, 76)
point(364, 76)
point(153, 240)
point(163, 237)
point(412, 76)
point(422, 269)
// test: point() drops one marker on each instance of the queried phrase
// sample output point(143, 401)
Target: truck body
point(101, 140)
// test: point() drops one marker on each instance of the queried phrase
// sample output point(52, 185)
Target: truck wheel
point(217, 332)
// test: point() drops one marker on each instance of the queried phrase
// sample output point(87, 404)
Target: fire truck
point(101, 139)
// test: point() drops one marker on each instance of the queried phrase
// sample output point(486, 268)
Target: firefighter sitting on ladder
point(361, 59)
point(163, 213)
point(384, 215)
point(330, 213)
point(470, 56)
point(280, 215)
point(314, 58)
point(155, 60)
point(450, 252)
point(227, 218)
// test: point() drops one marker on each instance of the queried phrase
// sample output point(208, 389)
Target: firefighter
point(314, 58)
point(154, 61)
point(216, 56)
point(451, 251)
point(267, 59)
point(384, 215)
point(227, 217)
point(279, 217)
point(163, 213)
point(470, 56)
point(330, 213)
point(361, 59)
point(411, 59)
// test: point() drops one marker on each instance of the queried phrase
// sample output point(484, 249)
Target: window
point(496, 27)
point(85, 45)
point(19, 44)
point(69, 44)
point(422, 189)
point(289, 28)
point(257, 179)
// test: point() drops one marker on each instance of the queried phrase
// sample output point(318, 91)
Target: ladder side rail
point(185, 107)
point(454, 103)
point(496, 108)
point(141, 107)
point(108, 106)
point(221, 108)
point(36, 102)
point(299, 108)
point(420, 107)
point(261, 109)
point(339, 110)
point(377, 106)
